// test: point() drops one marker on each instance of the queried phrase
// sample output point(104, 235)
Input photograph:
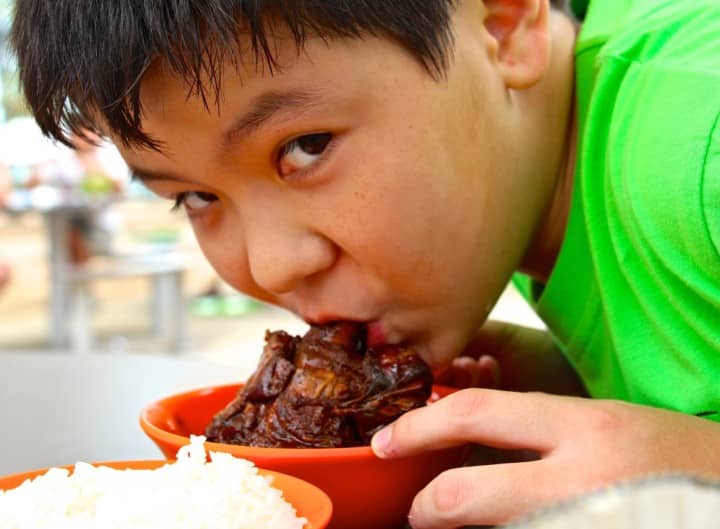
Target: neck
point(547, 240)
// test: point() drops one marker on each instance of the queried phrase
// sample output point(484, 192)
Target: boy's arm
point(508, 356)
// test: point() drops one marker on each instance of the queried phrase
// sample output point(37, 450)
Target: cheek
point(223, 257)
point(224, 249)
point(389, 227)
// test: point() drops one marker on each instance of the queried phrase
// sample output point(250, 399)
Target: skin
point(426, 198)
point(583, 444)
point(411, 185)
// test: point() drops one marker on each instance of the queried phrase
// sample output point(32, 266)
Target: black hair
point(83, 59)
point(80, 60)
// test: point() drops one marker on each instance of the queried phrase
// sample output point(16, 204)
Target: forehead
point(330, 69)
point(162, 83)
point(344, 74)
point(171, 102)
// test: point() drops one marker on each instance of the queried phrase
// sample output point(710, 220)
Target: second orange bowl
point(365, 491)
point(309, 501)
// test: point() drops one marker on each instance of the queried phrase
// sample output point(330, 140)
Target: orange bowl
point(366, 492)
point(309, 501)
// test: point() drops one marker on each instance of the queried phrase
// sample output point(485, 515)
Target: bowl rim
point(321, 518)
point(154, 432)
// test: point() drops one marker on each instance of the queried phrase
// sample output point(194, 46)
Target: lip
point(322, 319)
point(376, 334)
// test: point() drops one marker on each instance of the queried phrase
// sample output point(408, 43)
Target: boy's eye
point(194, 201)
point(301, 153)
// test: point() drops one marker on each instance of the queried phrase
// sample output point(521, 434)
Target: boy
point(396, 162)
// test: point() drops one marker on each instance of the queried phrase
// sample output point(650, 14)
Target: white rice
point(226, 493)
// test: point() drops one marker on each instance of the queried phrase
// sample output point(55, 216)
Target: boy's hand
point(468, 372)
point(504, 355)
point(583, 444)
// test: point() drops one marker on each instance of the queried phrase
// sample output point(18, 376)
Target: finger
point(489, 372)
point(470, 373)
point(486, 495)
point(466, 372)
point(501, 419)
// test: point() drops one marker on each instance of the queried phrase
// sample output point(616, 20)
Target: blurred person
point(5, 188)
point(5, 184)
point(85, 172)
point(5, 275)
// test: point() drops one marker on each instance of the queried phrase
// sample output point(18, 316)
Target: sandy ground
point(121, 306)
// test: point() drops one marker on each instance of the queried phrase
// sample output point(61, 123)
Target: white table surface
point(57, 409)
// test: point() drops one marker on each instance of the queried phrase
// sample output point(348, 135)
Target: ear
point(521, 32)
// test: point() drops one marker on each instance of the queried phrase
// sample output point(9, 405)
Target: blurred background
point(91, 263)
point(82, 246)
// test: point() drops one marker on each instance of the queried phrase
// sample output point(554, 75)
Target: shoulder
point(654, 141)
point(651, 112)
point(710, 203)
point(680, 32)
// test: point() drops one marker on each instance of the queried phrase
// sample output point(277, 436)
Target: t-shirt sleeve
point(711, 188)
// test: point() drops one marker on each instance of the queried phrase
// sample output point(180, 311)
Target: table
point(69, 309)
point(57, 409)
point(58, 207)
point(58, 222)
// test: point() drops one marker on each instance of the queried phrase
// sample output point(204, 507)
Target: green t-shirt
point(634, 298)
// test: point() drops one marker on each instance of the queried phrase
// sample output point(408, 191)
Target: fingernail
point(381, 442)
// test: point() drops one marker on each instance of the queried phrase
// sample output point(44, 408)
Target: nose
point(282, 252)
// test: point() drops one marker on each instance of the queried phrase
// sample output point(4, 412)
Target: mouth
point(376, 333)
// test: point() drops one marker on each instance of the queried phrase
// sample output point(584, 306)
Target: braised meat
point(326, 389)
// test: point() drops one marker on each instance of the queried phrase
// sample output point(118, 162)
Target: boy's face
point(351, 185)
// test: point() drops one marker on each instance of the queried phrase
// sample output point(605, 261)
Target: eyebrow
point(143, 176)
point(270, 106)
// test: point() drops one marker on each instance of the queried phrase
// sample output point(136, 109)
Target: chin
point(439, 351)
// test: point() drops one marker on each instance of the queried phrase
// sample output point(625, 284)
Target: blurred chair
point(164, 272)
